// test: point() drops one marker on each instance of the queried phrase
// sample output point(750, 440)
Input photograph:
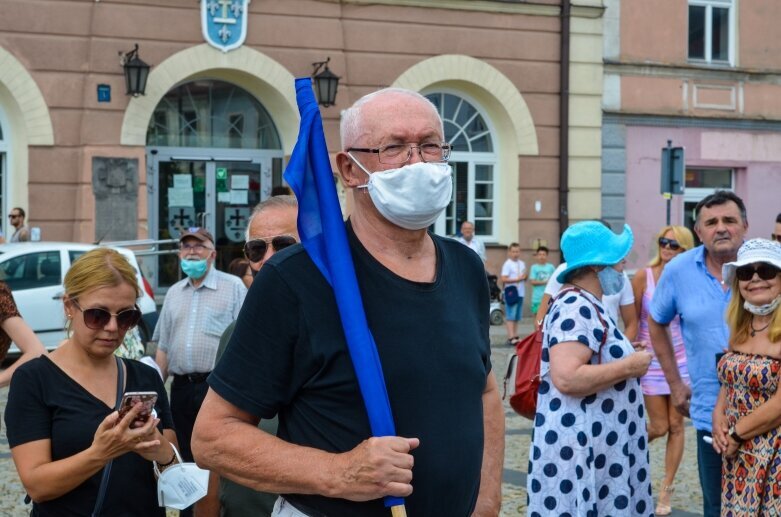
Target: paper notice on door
point(183, 181)
point(180, 196)
point(240, 182)
point(239, 197)
point(223, 197)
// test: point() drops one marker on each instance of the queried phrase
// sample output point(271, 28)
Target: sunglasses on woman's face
point(97, 319)
point(669, 243)
point(765, 272)
point(256, 249)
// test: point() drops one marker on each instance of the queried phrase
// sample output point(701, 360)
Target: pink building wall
point(754, 156)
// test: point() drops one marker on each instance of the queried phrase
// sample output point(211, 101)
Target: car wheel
point(497, 317)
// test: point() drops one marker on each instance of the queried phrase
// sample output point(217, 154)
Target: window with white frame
point(700, 183)
point(712, 31)
point(474, 164)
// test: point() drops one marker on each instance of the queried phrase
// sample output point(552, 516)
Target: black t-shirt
point(288, 355)
point(45, 403)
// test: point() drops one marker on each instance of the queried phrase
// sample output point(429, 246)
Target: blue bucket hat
point(591, 243)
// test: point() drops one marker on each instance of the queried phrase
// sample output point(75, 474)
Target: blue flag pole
point(320, 222)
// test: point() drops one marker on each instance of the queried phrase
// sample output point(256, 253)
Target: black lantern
point(326, 83)
point(136, 72)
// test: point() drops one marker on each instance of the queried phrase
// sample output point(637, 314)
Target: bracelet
point(163, 465)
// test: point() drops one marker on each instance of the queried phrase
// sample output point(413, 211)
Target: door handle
point(58, 296)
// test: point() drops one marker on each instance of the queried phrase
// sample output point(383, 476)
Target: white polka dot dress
point(589, 456)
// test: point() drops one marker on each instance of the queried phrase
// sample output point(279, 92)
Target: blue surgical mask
point(612, 281)
point(195, 269)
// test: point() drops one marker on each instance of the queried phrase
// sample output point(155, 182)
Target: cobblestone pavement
point(686, 501)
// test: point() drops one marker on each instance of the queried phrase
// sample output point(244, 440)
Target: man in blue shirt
point(691, 286)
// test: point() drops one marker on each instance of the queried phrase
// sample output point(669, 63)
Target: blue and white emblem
point(224, 23)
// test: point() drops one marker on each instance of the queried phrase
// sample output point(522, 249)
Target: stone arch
point(477, 75)
point(30, 104)
point(257, 73)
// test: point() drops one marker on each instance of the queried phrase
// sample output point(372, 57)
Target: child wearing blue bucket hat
point(590, 445)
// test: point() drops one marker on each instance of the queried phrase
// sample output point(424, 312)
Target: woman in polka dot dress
point(589, 452)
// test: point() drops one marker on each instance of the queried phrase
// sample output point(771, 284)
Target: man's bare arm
point(489, 499)
point(227, 441)
point(680, 393)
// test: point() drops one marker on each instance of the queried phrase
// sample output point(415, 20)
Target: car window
point(74, 254)
point(32, 270)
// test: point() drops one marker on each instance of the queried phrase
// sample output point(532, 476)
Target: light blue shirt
point(687, 288)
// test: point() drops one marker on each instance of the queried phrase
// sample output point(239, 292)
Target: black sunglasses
point(255, 249)
point(97, 319)
point(765, 272)
point(670, 243)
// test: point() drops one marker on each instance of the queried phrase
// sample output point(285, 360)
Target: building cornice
point(692, 71)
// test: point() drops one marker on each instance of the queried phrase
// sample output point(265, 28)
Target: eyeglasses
point(14, 216)
point(395, 154)
point(255, 249)
point(765, 272)
point(97, 319)
point(198, 248)
point(775, 237)
point(669, 243)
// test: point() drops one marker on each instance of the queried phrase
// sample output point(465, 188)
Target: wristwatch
point(733, 433)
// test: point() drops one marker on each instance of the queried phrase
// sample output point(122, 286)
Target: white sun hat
point(752, 251)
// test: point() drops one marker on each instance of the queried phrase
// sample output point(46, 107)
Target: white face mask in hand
point(181, 485)
point(412, 196)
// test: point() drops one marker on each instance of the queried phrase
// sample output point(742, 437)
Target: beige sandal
point(662, 508)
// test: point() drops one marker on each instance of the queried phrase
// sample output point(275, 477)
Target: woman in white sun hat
point(747, 416)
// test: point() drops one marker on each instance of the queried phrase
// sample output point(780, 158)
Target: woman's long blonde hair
point(739, 319)
point(682, 234)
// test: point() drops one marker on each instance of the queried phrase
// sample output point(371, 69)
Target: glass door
point(237, 187)
point(182, 204)
point(195, 188)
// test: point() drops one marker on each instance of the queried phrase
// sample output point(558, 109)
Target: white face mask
point(412, 196)
point(181, 485)
point(762, 310)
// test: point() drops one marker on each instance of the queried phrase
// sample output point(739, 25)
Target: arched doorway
point(213, 153)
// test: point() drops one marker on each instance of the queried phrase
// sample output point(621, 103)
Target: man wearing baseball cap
point(196, 311)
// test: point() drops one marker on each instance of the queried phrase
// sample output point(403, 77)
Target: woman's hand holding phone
point(115, 436)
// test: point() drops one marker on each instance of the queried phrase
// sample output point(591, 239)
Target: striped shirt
point(193, 319)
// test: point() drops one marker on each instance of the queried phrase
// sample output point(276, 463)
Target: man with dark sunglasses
point(691, 286)
point(271, 228)
point(21, 231)
point(195, 313)
point(776, 235)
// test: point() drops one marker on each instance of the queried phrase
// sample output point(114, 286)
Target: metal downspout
point(564, 119)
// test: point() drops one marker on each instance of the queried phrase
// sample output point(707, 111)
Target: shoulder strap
point(107, 468)
point(596, 310)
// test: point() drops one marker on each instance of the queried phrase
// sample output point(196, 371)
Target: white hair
point(272, 202)
point(350, 128)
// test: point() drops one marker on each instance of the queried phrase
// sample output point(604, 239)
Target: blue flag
point(320, 222)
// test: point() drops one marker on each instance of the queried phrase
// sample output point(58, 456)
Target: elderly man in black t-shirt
point(426, 302)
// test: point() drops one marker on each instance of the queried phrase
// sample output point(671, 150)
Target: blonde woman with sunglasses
point(63, 429)
point(670, 242)
point(747, 416)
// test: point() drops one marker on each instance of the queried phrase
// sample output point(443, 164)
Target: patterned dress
point(654, 382)
point(751, 480)
point(589, 456)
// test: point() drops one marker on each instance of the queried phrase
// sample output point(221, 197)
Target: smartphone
point(131, 398)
